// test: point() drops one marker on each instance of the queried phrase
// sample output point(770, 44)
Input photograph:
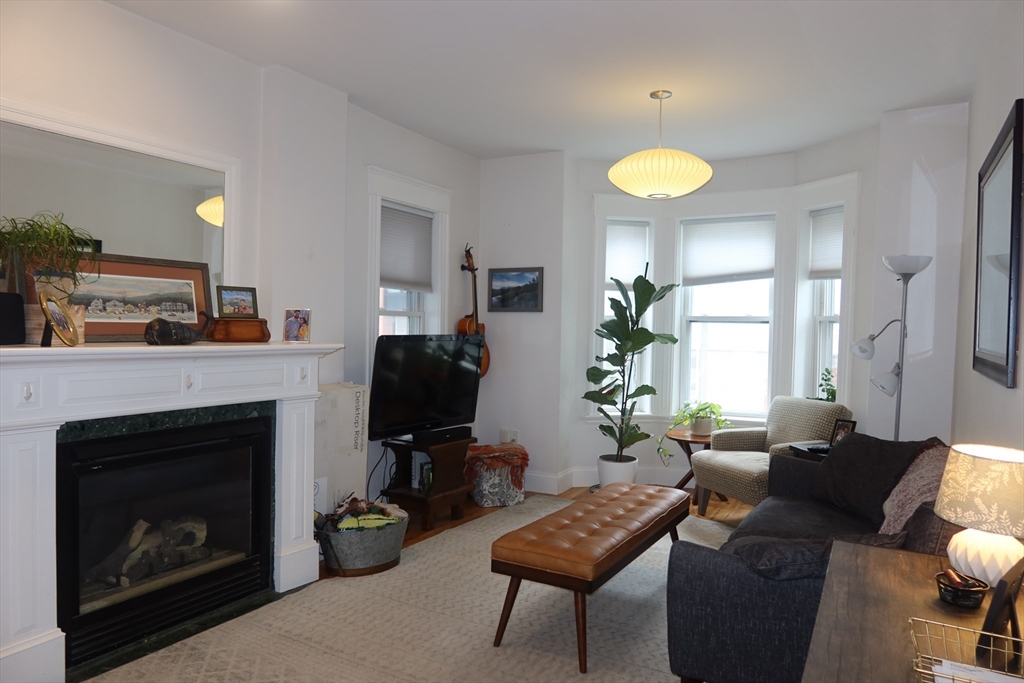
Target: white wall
point(522, 214)
point(984, 411)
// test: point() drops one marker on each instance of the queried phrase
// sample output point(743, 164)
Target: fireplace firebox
point(160, 527)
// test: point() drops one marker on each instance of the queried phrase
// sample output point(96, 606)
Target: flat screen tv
point(423, 382)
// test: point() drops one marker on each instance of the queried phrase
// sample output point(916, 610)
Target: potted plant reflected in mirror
point(42, 248)
point(617, 377)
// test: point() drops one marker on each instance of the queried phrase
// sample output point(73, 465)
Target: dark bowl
point(961, 597)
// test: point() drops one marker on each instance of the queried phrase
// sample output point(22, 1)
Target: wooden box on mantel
point(238, 330)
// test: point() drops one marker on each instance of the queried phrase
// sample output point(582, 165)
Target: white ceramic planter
point(610, 472)
point(703, 426)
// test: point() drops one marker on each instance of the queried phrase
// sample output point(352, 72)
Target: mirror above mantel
point(134, 203)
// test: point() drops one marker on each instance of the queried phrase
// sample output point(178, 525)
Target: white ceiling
point(499, 78)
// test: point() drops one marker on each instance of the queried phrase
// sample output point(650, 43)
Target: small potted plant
point(615, 383)
point(703, 417)
point(46, 247)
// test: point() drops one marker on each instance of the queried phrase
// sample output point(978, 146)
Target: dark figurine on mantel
point(161, 332)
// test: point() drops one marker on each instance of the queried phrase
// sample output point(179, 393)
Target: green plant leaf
point(634, 435)
point(608, 415)
point(665, 338)
point(610, 432)
point(603, 335)
point(617, 329)
point(620, 313)
point(625, 297)
point(596, 375)
point(614, 359)
point(643, 390)
point(643, 292)
point(599, 398)
point(662, 292)
point(641, 339)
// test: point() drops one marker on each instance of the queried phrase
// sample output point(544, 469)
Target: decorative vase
point(703, 426)
point(610, 471)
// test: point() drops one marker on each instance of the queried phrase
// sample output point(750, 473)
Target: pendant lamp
point(212, 210)
point(660, 173)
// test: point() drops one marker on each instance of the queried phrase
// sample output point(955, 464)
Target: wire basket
point(952, 654)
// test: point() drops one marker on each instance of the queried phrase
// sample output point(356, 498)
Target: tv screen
point(423, 382)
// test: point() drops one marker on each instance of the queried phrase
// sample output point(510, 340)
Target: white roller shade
point(625, 251)
point(826, 243)
point(728, 249)
point(405, 249)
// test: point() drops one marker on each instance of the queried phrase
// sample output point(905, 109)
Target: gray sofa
point(745, 612)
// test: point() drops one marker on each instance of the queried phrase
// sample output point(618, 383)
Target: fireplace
point(159, 527)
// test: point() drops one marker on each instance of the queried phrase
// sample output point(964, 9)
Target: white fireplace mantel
point(42, 388)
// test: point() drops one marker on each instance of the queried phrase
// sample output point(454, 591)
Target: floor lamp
point(891, 382)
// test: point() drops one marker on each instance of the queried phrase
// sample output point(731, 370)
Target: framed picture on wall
point(515, 290)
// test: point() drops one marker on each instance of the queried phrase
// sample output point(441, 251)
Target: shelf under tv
point(448, 488)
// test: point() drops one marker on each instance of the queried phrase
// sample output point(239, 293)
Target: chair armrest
point(726, 623)
point(791, 476)
point(744, 439)
point(783, 448)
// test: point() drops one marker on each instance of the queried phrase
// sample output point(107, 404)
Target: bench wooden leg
point(581, 628)
point(506, 610)
point(673, 534)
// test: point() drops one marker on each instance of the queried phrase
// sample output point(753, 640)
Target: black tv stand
point(448, 488)
point(442, 436)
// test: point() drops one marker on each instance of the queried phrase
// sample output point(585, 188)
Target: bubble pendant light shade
point(660, 173)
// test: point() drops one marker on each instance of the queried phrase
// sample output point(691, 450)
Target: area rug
point(433, 617)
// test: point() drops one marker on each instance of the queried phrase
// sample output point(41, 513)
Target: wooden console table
point(448, 488)
point(862, 631)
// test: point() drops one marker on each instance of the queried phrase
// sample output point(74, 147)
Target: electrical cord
point(379, 460)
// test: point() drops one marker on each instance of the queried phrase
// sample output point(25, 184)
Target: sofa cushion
point(861, 471)
point(798, 558)
point(919, 484)
point(927, 532)
point(801, 518)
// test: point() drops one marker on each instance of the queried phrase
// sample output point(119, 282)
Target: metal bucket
point(358, 552)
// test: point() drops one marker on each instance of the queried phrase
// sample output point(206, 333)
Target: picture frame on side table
point(121, 294)
point(518, 290)
point(997, 285)
point(296, 325)
point(237, 302)
point(841, 429)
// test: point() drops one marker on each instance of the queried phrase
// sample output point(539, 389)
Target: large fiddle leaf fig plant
point(616, 381)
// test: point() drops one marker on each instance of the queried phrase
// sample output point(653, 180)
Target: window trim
point(386, 186)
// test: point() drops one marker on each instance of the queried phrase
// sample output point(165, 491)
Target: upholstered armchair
point(737, 462)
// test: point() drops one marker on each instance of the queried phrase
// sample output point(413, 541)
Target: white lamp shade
point(888, 382)
point(983, 489)
point(212, 210)
point(660, 173)
point(864, 348)
point(906, 265)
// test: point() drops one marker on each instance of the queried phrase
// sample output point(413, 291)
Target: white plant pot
point(610, 472)
point(703, 426)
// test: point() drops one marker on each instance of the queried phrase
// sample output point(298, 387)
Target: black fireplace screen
point(160, 527)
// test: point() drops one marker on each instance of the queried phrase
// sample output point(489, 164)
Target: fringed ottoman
point(496, 473)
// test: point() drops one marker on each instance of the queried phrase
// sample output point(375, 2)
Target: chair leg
point(702, 504)
point(506, 610)
point(581, 628)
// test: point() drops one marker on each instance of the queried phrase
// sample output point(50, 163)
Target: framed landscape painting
point(515, 290)
point(121, 294)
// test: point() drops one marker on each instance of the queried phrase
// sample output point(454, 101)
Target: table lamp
point(983, 489)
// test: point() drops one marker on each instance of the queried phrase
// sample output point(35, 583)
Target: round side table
point(685, 437)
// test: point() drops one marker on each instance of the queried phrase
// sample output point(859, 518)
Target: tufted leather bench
point(582, 546)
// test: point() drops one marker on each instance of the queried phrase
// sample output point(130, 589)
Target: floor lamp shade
point(983, 489)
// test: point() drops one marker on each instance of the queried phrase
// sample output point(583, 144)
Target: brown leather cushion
point(586, 538)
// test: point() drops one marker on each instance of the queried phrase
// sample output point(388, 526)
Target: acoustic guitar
point(470, 324)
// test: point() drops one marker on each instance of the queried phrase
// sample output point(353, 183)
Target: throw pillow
point(927, 532)
point(861, 471)
point(791, 559)
point(919, 484)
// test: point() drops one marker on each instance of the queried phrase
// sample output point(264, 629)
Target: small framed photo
point(515, 290)
point(237, 302)
point(59, 320)
point(842, 428)
point(296, 325)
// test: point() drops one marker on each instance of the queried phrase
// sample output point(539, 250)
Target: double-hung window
point(626, 256)
point(405, 268)
point(728, 275)
point(825, 270)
